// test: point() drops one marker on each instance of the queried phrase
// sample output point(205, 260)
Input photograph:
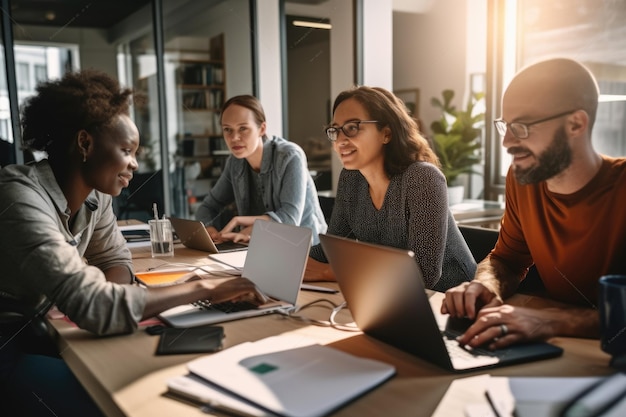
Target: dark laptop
point(385, 292)
point(193, 234)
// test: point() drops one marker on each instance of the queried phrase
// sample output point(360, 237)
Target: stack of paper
point(289, 376)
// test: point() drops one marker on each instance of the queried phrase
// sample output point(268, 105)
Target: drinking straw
point(158, 228)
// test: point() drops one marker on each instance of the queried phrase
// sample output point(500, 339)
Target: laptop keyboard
point(227, 306)
point(468, 358)
point(457, 351)
point(230, 246)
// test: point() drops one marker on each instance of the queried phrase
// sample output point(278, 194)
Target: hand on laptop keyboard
point(237, 289)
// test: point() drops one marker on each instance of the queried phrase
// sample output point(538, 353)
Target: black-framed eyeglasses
point(520, 130)
point(349, 129)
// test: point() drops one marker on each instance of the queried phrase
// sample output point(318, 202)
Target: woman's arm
point(318, 271)
point(292, 187)
point(428, 218)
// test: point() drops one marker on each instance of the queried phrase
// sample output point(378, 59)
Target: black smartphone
point(200, 339)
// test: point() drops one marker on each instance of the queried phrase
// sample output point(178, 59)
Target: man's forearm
point(497, 277)
point(575, 322)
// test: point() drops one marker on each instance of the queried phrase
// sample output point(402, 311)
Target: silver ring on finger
point(504, 330)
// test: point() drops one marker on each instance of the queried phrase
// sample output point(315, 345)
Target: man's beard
point(551, 162)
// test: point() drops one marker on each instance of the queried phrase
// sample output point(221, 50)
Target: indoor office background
point(188, 56)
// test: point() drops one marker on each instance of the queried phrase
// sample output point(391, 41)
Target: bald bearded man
point(565, 213)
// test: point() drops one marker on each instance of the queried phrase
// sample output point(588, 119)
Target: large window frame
point(516, 40)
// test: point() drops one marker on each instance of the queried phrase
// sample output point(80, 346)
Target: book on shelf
point(203, 74)
point(194, 100)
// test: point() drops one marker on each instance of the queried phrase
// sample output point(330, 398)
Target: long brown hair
point(407, 145)
point(249, 102)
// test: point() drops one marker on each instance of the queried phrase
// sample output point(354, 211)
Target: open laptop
point(385, 292)
point(275, 262)
point(193, 234)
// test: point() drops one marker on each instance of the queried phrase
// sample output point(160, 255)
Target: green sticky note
point(263, 368)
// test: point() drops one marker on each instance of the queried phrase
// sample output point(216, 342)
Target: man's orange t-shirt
point(572, 239)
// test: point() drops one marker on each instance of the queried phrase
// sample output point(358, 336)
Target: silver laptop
point(385, 292)
point(193, 234)
point(275, 262)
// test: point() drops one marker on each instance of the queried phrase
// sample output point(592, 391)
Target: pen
point(493, 404)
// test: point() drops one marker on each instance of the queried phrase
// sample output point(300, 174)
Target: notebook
point(275, 262)
point(193, 234)
point(385, 292)
point(290, 375)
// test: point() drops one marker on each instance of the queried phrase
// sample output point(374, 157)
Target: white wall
point(269, 68)
point(429, 53)
point(377, 37)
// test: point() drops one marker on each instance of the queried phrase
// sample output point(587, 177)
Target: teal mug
point(612, 307)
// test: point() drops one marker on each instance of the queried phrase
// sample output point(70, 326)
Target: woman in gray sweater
point(266, 177)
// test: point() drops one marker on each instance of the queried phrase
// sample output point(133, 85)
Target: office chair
point(327, 203)
point(481, 241)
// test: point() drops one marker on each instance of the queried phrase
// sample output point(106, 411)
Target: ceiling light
point(314, 25)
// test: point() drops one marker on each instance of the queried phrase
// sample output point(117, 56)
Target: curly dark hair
point(407, 145)
point(87, 99)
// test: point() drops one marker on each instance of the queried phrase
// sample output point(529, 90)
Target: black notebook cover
point(200, 339)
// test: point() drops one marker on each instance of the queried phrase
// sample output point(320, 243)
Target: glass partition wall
point(185, 56)
point(206, 57)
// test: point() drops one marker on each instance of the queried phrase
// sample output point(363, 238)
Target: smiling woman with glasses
point(391, 190)
point(520, 130)
point(350, 129)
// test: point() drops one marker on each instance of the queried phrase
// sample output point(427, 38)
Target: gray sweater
point(288, 191)
point(43, 256)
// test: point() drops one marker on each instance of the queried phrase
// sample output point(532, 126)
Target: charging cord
point(331, 322)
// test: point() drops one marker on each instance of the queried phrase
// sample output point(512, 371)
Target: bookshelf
point(200, 90)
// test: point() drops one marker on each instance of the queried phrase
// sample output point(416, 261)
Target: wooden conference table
point(125, 378)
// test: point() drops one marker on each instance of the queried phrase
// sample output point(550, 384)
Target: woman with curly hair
point(60, 242)
point(391, 191)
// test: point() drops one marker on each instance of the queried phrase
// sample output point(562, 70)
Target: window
point(22, 74)
point(589, 31)
point(41, 73)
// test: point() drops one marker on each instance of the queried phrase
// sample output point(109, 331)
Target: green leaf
point(457, 134)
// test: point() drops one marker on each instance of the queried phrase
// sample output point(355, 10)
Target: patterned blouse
point(414, 215)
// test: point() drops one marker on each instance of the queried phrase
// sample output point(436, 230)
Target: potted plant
point(456, 140)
